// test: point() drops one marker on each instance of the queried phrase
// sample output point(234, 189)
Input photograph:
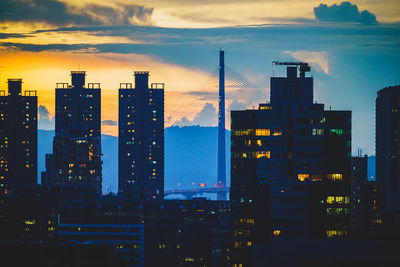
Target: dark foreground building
point(18, 138)
point(141, 139)
point(366, 202)
point(75, 164)
point(113, 232)
point(388, 152)
point(290, 166)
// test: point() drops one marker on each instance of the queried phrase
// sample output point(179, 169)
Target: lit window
point(335, 233)
point(276, 232)
point(263, 154)
point(263, 132)
point(336, 131)
point(337, 200)
point(335, 176)
point(277, 133)
point(302, 177)
point(247, 221)
point(317, 131)
point(265, 108)
point(243, 132)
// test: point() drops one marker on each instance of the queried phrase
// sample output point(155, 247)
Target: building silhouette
point(366, 217)
point(75, 164)
point(387, 144)
point(141, 139)
point(290, 163)
point(18, 138)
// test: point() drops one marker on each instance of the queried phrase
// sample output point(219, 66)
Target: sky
point(353, 48)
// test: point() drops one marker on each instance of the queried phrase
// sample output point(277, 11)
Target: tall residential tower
point(76, 160)
point(141, 139)
point(18, 138)
point(388, 151)
point(290, 175)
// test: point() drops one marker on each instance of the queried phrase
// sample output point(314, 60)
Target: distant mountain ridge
point(190, 157)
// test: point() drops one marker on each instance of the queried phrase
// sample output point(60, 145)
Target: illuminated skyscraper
point(388, 151)
point(141, 139)
point(18, 138)
point(76, 159)
point(290, 161)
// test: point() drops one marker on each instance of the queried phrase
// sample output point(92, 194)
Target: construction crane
point(302, 66)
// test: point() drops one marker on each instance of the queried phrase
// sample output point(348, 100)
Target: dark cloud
point(109, 122)
point(55, 12)
point(45, 122)
point(48, 47)
point(345, 12)
point(11, 35)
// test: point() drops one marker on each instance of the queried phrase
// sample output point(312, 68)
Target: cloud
point(318, 60)
point(109, 122)
point(206, 117)
point(45, 122)
point(236, 105)
point(11, 35)
point(55, 12)
point(203, 95)
point(345, 12)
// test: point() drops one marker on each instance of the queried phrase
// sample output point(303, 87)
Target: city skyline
point(167, 40)
point(124, 141)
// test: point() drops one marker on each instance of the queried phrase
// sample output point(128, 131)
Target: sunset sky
point(353, 48)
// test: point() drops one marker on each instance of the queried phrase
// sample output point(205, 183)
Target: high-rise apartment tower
point(18, 138)
point(141, 139)
point(76, 160)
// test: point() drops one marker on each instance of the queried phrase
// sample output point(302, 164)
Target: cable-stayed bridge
point(228, 90)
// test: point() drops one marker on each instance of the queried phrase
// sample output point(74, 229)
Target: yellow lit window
point(265, 108)
point(259, 143)
point(247, 221)
point(335, 176)
point(338, 199)
point(302, 177)
point(263, 132)
point(277, 133)
point(263, 154)
point(243, 132)
point(333, 233)
point(276, 232)
point(249, 243)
